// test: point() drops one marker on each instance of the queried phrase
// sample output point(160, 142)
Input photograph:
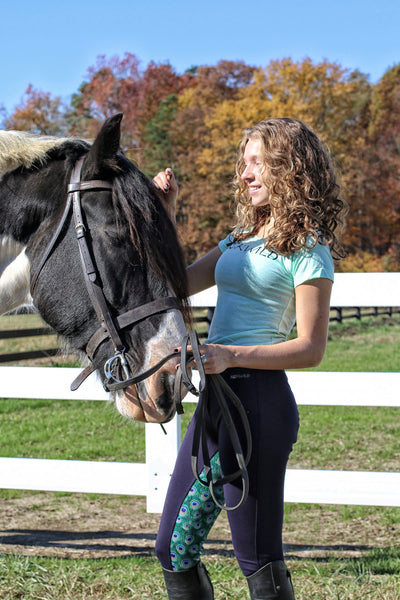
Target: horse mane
point(23, 149)
point(150, 229)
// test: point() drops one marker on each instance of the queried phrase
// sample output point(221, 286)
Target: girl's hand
point(216, 358)
point(167, 190)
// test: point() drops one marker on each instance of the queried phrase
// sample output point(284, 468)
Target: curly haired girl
point(275, 268)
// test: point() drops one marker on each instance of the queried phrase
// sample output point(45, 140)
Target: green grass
point(356, 438)
point(22, 344)
point(353, 437)
point(373, 577)
point(330, 437)
point(348, 438)
point(370, 344)
point(68, 429)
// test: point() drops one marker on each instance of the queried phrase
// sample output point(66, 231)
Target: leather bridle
point(110, 328)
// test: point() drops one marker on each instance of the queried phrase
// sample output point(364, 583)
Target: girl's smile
point(253, 173)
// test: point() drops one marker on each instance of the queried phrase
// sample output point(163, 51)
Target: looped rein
point(223, 394)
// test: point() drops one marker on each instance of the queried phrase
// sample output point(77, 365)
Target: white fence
point(151, 478)
point(349, 290)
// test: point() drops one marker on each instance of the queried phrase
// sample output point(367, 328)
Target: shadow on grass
point(355, 557)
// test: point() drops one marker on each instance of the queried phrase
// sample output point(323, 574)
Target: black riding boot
point(272, 581)
point(193, 584)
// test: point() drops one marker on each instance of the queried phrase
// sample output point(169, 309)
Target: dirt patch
point(78, 526)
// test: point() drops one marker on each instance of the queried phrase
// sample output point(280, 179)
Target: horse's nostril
point(164, 402)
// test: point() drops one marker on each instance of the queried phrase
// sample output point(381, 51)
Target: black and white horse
point(129, 243)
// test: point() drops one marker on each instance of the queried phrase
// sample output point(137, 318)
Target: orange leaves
point(38, 112)
point(194, 121)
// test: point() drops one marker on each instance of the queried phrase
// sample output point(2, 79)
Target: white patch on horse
point(169, 336)
point(15, 275)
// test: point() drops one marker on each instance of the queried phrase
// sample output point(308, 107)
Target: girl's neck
point(266, 229)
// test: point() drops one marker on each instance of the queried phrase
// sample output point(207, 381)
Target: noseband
point(110, 330)
point(109, 327)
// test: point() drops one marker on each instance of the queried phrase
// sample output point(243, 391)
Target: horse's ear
point(103, 152)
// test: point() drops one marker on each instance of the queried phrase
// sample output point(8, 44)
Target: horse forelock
point(151, 231)
point(23, 149)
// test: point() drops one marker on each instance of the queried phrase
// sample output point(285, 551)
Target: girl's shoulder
point(310, 263)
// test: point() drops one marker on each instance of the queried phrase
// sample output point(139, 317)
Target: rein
point(223, 393)
point(110, 328)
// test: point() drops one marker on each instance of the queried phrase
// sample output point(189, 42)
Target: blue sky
point(51, 44)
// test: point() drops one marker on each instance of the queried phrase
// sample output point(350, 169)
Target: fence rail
point(152, 477)
point(27, 354)
point(355, 295)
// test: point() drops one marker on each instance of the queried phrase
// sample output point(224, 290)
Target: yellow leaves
point(324, 95)
point(332, 100)
point(186, 98)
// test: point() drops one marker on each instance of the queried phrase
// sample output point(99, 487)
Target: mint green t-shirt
point(256, 290)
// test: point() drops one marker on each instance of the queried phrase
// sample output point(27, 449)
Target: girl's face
point(253, 173)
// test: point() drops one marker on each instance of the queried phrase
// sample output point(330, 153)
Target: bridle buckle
point(118, 356)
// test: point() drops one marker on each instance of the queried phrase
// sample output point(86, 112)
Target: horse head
point(123, 305)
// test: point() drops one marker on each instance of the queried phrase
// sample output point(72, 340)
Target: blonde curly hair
point(304, 195)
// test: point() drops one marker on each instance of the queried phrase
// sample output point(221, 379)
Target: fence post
point(161, 453)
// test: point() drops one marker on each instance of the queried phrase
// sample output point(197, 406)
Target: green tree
point(158, 150)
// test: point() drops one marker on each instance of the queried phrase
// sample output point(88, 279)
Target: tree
point(39, 113)
point(332, 100)
point(113, 86)
point(3, 116)
point(383, 172)
point(198, 219)
point(120, 85)
point(158, 150)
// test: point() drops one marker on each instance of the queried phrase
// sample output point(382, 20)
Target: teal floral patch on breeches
point(197, 515)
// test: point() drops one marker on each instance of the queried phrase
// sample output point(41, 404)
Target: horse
point(86, 240)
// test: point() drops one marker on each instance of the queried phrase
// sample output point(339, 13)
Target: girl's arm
point(201, 273)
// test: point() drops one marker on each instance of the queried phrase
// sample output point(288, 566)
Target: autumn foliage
point(194, 121)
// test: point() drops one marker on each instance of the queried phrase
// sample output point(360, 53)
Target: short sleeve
point(223, 244)
point(312, 263)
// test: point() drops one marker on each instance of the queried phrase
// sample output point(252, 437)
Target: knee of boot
point(271, 581)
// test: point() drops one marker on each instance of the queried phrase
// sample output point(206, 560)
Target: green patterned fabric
point(196, 517)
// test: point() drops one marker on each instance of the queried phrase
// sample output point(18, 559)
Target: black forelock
point(150, 229)
point(70, 150)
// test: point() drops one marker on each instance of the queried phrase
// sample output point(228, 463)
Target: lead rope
point(223, 394)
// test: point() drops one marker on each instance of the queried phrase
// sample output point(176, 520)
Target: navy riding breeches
point(256, 526)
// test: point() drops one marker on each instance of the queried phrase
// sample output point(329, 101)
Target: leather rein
point(110, 328)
